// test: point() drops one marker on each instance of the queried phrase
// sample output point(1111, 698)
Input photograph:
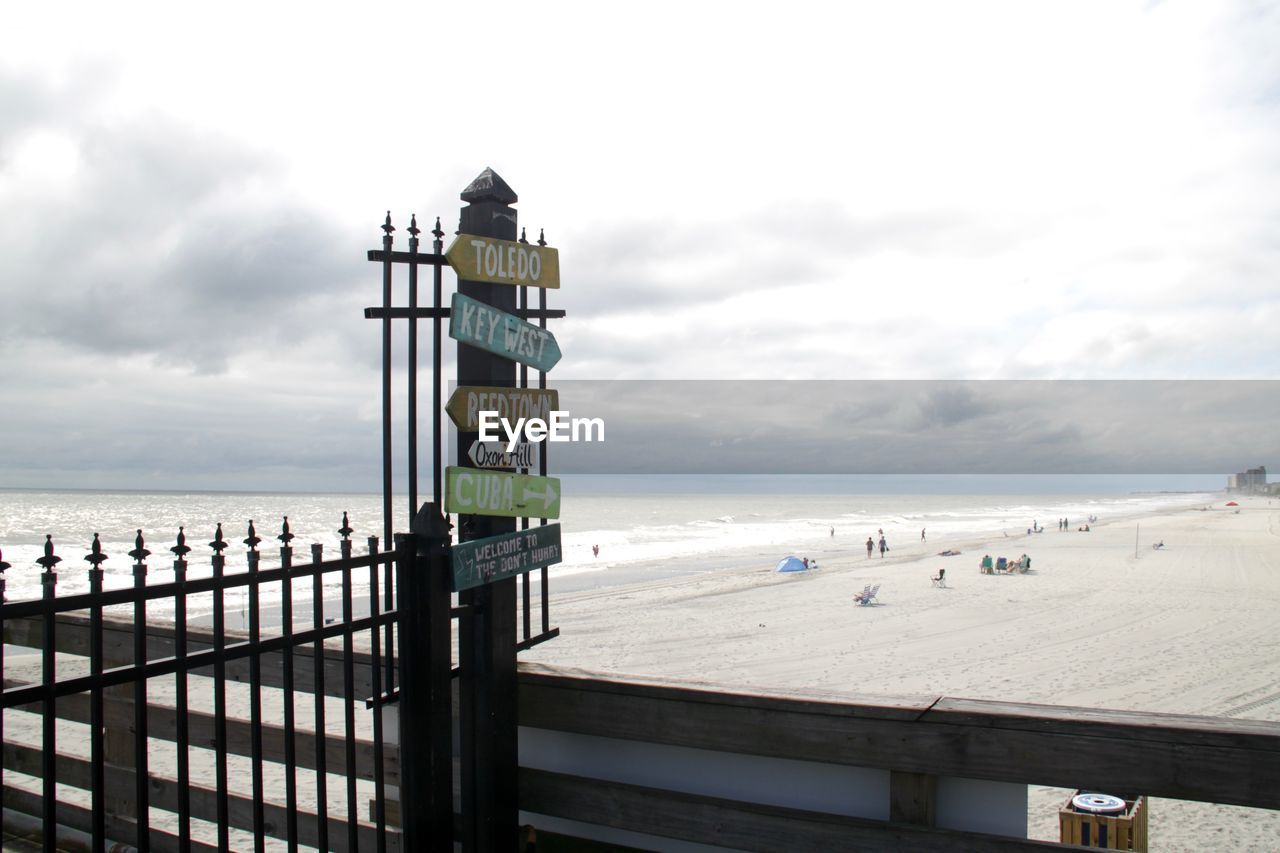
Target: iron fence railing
point(174, 763)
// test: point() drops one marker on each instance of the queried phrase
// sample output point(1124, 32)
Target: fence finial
point(523, 239)
point(95, 555)
point(542, 236)
point(437, 231)
point(345, 530)
point(252, 540)
point(3, 564)
point(387, 227)
point(49, 560)
point(285, 536)
point(181, 549)
point(218, 544)
point(413, 225)
point(139, 552)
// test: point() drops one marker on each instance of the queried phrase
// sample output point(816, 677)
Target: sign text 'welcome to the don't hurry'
point(483, 561)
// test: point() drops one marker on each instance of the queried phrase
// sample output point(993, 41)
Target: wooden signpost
point(485, 327)
point(495, 261)
point(472, 491)
point(483, 561)
point(468, 401)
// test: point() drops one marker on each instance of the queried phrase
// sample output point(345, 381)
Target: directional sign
point(503, 261)
point(493, 558)
point(494, 454)
point(500, 333)
point(471, 491)
point(466, 403)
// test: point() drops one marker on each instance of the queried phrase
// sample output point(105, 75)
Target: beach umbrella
point(791, 564)
point(1232, 503)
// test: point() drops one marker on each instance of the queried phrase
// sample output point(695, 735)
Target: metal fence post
point(426, 707)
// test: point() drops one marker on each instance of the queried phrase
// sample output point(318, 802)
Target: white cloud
point(920, 190)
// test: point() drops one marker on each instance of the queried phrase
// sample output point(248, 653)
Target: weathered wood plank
point(162, 724)
point(71, 636)
point(885, 706)
point(998, 741)
point(75, 771)
point(1142, 725)
point(81, 820)
point(743, 826)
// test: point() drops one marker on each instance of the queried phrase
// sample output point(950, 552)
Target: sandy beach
point(1100, 621)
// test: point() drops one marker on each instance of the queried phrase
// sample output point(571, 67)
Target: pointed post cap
point(489, 186)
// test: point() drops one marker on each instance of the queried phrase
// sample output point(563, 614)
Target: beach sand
point(1098, 622)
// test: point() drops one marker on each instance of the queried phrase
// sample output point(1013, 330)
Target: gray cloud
point(160, 246)
point(922, 427)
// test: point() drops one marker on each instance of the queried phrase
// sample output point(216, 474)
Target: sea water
point(616, 530)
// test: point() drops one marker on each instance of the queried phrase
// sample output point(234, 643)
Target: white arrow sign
point(548, 496)
point(493, 454)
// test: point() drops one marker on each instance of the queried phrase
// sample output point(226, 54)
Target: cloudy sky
point(1016, 190)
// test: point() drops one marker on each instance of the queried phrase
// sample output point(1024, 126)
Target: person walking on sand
point(883, 547)
point(871, 546)
point(833, 532)
point(921, 534)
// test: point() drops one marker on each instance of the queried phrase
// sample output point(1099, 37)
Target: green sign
point(503, 261)
point(485, 327)
point(493, 558)
point(471, 491)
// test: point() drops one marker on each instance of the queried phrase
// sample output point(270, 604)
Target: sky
point(906, 191)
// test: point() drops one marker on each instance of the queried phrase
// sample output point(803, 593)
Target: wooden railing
point(918, 741)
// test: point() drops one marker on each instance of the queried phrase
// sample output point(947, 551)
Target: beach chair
point(941, 580)
point(868, 594)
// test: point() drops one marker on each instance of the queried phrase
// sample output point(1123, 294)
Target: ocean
point(645, 527)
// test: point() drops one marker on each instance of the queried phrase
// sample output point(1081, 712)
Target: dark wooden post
point(913, 798)
point(487, 643)
point(426, 683)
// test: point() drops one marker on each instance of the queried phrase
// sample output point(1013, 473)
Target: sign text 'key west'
point(485, 327)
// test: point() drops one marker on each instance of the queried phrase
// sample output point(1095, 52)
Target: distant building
point(1253, 481)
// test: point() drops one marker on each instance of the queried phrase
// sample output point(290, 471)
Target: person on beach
point(921, 534)
point(871, 546)
point(595, 550)
point(806, 562)
point(883, 547)
point(833, 532)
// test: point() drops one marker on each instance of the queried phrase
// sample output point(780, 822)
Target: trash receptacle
point(1093, 819)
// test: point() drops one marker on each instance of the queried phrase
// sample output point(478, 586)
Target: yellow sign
point(504, 261)
point(511, 403)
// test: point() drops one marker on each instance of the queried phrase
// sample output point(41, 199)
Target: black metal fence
point(179, 750)
point(193, 728)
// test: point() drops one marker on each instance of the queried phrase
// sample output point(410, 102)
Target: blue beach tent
point(791, 564)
